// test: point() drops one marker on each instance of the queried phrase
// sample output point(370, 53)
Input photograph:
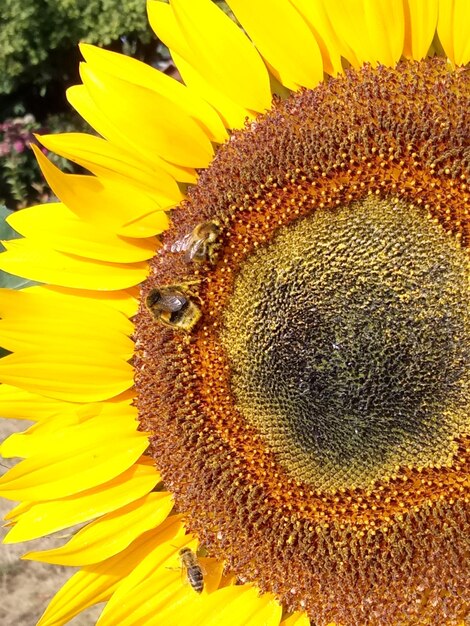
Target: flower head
point(250, 357)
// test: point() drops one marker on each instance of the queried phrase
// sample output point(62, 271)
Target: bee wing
point(181, 244)
point(172, 302)
point(194, 247)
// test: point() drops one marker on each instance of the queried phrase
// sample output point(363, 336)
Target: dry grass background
point(27, 586)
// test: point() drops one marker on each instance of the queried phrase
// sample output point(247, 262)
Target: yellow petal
point(43, 518)
point(51, 334)
point(161, 594)
point(106, 202)
point(126, 302)
point(60, 229)
point(155, 124)
point(186, 606)
point(386, 26)
point(43, 303)
point(74, 378)
point(49, 476)
point(284, 40)
point(16, 403)
point(420, 26)
point(162, 18)
point(237, 605)
point(110, 534)
point(68, 436)
point(104, 159)
point(138, 73)
point(234, 115)
point(29, 259)
point(80, 99)
point(314, 13)
point(373, 29)
point(96, 583)
point(453, 28)
point(210, 36)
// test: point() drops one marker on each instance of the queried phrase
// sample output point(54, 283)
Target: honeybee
point(172, 307)
point(193, 569)
point(201, 244)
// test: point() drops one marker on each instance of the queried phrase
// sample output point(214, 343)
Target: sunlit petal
point(284, 30)
point(110, 534)
point(43, 518)
point(210, 35)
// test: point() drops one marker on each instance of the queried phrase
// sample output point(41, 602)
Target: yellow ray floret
point(202, 35)
point(316, 16)
point(52, 434)
point(37, 320)
point(420, 27)
point(373, 29)
point(284, 39)
point(60, 229)
point(125, 301)
point(42, 518)
point(113, 204)
point(97, 583)
point(44, 302)
point(47, 475)
point(19, 404)
point(82, 102)
point(30, 259)
point(161, 128)
point(110, 534)
point(51, 334)
point(234, 606)
point(110, 162)
point(161, 592)
point(139, 73)
point(452, 28)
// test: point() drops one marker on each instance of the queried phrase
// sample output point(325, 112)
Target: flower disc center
point(349, 342)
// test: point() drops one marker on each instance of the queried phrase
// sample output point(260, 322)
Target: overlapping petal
point(110, 534)
point(30, 259)
point(106, 202)
point(235, 606)
point(111, 162)
point(201, 34)
point(97, 583)
point(37, 519)
point(171, 133)
point(420, 27)
point(17, 403)
point(81, 100)
point(374, 30)
point(141, 74)
point(316, 16)
point(92, 458)
point(59, 228)
point(285, 40)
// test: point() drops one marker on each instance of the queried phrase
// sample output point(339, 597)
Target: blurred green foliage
point(36, 36)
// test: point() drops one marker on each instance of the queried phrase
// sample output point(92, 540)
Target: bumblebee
point(172, 307)
point(201, 244)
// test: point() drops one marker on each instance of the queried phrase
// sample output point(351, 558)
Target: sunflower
point(248, 357)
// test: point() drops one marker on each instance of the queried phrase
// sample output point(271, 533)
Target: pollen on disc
point(349, 342)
